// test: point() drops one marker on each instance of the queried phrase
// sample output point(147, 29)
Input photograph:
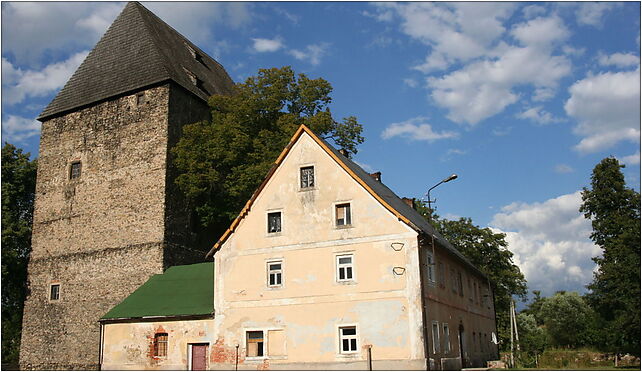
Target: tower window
point(274, 222)
point(54, 292)
point(75, 170)
point(160, 345)
point(307, 177)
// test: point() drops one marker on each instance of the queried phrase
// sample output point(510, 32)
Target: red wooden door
point(199, 357)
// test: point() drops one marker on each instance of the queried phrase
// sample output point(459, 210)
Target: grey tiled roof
point(139, 50)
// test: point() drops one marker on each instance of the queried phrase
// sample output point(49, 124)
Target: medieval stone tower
point(107, 214)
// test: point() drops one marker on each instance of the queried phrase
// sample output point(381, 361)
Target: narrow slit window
point(274, 222)
point(345, 268)
point(275, 274)
point(75, 170)
point(255, 344)
point(441, 275)
point(54, 292)
point(460, 283)
point(430, 263)
point(343, 214)
point(348, 339)
point(307, 177)
point(160, 345)
point(435, 337)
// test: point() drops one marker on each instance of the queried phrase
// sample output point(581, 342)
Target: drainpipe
point(369, 357)
point(236, 364)
point(101, 341)
point(424, 311)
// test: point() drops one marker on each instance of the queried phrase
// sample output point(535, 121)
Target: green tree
point(568, 319)
point(18, 188)
point(489, 252)
point(222, 161)
point(532, 339)
point(614, 211)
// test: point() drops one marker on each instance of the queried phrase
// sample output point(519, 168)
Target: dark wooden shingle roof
point(139, 50)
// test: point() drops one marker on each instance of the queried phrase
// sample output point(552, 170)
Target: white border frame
point(340, 352)
point(436, 346)
point(267, 222)
point(51, 284)
point(337, 255)
point(267, 273)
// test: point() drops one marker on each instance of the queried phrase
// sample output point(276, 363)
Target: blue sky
point(521, 100)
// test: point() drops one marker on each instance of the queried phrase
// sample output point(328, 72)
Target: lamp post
point(452, 177)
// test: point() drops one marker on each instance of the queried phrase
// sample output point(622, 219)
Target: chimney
point(409, 201)
point(345, 153)
point(376, 176)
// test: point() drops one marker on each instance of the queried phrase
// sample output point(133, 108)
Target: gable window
point(275, 273)
point(54, 292)
point(446, 333)
point(348, 339)
point(160, 344)
point(75, 170)
point(307, 177)
point(255, 344)
point(345, 267)
point(435, 337)
point(430, 263)
point(343, 215)
point(274, 222)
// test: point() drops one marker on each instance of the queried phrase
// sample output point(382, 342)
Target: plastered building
point(324, 268)
point(107, 215)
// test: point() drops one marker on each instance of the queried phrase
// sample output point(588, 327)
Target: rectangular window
point(74, 170)
point(274, 222)
point(345, 268)
point(255, 343)
point(470, 290)
point(307, 177)
point(435, 337)
point(160, 345)
point(348, 339)
point(343, 214)
point(54, 292)
point(141, 99)
point(446, 338)
point(460, 283)
point(481, 343)
point(453, 280)
point(275, 273)
point(430, 263)
point(474, 341)
point(441, 274)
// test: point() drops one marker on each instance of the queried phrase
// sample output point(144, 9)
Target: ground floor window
point(348, 338)
point(435, 337)
point(446, 332)
point(255, 344)
point(160, 345)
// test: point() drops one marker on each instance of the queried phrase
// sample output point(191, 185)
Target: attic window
point(196, 55)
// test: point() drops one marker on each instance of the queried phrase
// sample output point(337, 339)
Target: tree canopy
point(223, 160)
point(614, 211)
point(18, 190)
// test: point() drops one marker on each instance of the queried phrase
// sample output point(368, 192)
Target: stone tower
point(107, 214)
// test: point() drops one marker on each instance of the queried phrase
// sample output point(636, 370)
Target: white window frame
point(247, 343)
point(336, 219)
point(267, 220)
point(50, 287)
point(431, 268)
point(435, 337)
point(339, 266)
point(445, 330)
point(269, 272)
point(348, 337)
point(314, 176)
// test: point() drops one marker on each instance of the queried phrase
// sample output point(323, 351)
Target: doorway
point(198, 357)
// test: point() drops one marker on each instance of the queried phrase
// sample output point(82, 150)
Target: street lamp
point(452, 177)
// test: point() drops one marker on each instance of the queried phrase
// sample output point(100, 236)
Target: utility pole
point(512, 358)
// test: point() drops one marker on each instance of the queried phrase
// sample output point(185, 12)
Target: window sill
point(347, 282)
point(349, 355)
point(304, 189)
point(342, 227)
point(273, 234)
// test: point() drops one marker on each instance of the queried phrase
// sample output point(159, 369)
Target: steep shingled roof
point(185, 290)
point(377, 189)
point(139, 50)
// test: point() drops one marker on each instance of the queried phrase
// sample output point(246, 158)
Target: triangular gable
point(137, 51)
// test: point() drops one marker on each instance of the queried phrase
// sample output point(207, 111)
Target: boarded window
point(255, 343)
point(348, 339)
point(435, 337)
point(74, 170)
point(275, 273)
point(274, 222)
point(345, 267)
point(446, 333)
point(344, 217)
point(54, 292)
point(276, 342)
point(307, 177)
point(160, 345)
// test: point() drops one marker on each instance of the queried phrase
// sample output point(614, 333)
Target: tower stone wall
point(103, 234)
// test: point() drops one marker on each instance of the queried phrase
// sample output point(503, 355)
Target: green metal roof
point(180, 291)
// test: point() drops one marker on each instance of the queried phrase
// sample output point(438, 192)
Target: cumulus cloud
point(312, 53)
point(631, 159)
point(16, 129)
point(416, 129)
point(538, 115)
point(410, 82)
point(607, 108)
point(267, 45)
point(17, 85)
point(619, 60)
point(550, 241)
point(591, 13)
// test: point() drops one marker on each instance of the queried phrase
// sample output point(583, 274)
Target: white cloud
point(17, 129)
point(607, 107)
point(312, 53)
point(543, 94)
point(631, 159)
point(20, 84)
point(538, 115)
point(590, 13)
point(532, 11)
point(550, 241)
point(563, 168)
point(267, 45)
point(416, 129)
point(619, 60)
point(410, 82)
point(542, 33)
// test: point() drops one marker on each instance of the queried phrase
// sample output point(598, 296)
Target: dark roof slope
point(185, 290)
point(139, 50)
